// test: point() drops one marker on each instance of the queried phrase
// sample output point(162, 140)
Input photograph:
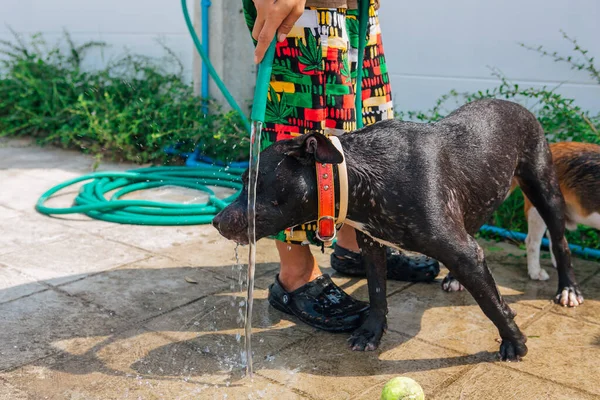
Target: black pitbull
point(420, 187)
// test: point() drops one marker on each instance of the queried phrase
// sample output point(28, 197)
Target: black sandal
point(400, 267)
point(321, 304)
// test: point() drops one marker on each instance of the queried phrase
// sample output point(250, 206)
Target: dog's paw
point(512, 350)
point(450, 284)
point(569, 296)
point(367, 337)
point(539, 275)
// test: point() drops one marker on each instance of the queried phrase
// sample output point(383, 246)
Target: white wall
point(135, 25)
point(433, 46)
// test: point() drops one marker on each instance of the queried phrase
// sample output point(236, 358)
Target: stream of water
point(252, 180)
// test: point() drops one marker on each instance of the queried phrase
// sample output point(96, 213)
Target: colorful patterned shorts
point(314, 79)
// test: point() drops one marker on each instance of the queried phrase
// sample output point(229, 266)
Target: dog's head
point(286, 192)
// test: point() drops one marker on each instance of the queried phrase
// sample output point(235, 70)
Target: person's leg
point(346, 238)
point(297, 265)
point(303, 70)
point(377, 106)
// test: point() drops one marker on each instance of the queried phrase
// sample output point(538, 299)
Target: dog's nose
point(217, 221)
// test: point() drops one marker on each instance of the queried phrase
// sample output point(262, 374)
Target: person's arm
point(274, 16)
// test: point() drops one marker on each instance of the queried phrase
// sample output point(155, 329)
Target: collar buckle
point(326, 223)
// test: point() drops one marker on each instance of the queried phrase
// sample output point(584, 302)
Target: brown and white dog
point(578, 170)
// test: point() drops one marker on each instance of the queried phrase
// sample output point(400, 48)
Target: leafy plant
point(585, 63)
point(560, 117)
point(311, 53)
point(129, 110)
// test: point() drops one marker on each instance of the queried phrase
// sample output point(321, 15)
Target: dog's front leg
point(368, 336)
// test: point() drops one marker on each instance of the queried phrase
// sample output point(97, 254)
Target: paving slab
point(145, 288)
point(31, 325)
point(19, 190)
point(324, 367)
point(7, 213)
point(558, 348)
point(137, 364)
point(14, 285)
point(71, 258)
point(9, 392)
point(488, 381)
point(453, 320)
point(29, 231)
point(30, 156)
point(160, 239)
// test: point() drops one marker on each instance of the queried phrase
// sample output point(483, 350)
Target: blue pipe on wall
point(575, 249)
point(205, 42)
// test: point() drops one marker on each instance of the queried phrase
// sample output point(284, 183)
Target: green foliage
point(130, 110)
point(560, 117)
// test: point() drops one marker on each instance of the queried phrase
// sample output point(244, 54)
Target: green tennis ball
point(402, 388)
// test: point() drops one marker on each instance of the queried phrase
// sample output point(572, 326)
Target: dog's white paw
point(569, 296)
point(452, 285)
point(539, 275)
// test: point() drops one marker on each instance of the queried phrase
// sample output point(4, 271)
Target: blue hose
point(585, 252)
point(205, 42)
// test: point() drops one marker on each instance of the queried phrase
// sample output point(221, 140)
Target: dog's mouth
point(240, 236)
point(242, 239)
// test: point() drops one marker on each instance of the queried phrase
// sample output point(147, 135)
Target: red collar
point(326, 197)
point(325, 228)
point(326, 222)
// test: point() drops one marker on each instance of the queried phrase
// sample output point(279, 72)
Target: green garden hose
point(92, 199)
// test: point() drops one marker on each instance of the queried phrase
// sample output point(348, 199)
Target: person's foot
point(400, 266)
point(319, 303)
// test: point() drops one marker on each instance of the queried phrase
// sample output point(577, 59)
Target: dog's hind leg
point(535, 232)
point(463, 256)
point(538, 180)
point(451, 284)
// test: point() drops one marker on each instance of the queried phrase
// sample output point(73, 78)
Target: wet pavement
point(94, 310)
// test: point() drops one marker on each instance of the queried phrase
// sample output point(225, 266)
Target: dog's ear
point(315, 145)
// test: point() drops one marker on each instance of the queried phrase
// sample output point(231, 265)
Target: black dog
point(420, 187)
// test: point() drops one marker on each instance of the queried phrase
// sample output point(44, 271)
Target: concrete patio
point(93, 310)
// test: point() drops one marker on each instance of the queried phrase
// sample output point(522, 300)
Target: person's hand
point(274, 16)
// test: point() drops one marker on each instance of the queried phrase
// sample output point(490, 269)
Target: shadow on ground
point(202, 334)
